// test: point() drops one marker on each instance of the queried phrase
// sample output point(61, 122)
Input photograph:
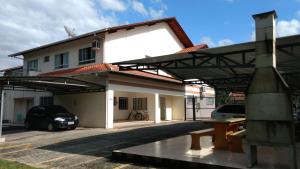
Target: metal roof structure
point(55, 85)
point(227, 67)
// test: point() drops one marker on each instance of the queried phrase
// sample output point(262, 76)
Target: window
point(139, 103)
point(86, 55)
point(46, 101)
point(61, 60)
point(123, 103)
point(32, 65)
point(210, 101)
point(46, 59)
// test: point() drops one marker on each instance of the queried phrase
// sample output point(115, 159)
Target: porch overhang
point(225, 68)
point(55, 85)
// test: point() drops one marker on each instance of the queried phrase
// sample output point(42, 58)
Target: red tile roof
point(107, 67)
point(83, 69)
point(150, 75)
point(172, 22)
point(193, 48)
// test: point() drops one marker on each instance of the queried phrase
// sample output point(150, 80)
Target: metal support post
point(194, 108)
point(184, 109)
point(2, 139)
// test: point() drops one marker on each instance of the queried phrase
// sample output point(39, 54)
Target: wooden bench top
point(224, 120)
point(240, 133)
point(202, 131)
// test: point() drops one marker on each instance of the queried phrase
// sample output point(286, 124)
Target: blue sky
point(25, 24)
point(224, 19)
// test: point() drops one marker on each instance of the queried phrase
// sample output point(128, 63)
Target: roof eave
point(188, 42)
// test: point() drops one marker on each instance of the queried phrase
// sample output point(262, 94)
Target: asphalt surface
point(85, 147)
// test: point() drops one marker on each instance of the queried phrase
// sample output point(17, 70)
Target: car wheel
point(27, 125)
point(73, 128)
point(50, 127)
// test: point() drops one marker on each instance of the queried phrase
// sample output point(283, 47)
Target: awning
point(55, 85)
point(228, 67)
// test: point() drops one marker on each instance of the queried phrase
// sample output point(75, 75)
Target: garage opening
point(20, 93)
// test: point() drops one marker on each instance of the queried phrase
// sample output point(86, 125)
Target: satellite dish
point(70, 32)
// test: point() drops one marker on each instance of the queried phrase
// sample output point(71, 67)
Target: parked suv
point(229, 111)
point(50, 118)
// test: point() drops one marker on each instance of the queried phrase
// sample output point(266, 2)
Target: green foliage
point(4, 164)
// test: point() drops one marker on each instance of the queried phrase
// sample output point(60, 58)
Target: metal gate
point(198, 107)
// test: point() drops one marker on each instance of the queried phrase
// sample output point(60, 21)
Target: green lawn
point(13, 165)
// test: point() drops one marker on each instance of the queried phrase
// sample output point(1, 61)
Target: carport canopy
point(55, 85)
point(227, 67)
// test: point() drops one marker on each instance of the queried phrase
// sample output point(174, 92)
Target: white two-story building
point(89, 57)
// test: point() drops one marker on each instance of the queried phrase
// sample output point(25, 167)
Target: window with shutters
point(139, 103)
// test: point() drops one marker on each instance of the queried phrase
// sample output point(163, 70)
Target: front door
point(162, 101)
point(22, 105)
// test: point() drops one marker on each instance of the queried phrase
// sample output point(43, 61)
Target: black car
point(50, 118)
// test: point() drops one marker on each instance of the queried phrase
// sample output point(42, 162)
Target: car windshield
point(234, 109)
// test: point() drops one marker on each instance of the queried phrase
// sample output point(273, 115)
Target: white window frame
point(33, 65)
point(61, 60)
point(85, 57)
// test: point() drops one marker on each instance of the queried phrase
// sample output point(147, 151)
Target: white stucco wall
point(169, 107)
point(178, 108)
point(174, 105)
point(72, 48)
point(123, 114)
point(9, 101)
point(89, 107)
point(154, 40)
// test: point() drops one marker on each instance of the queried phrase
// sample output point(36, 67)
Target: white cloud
point(286, 28)
point(151, 12)
point(25, 24)
point(223, 42)
point(139, 7)
point(114, 5)
point(156, 13)
point(253, 36)
point(207, 40)
point(29, 23)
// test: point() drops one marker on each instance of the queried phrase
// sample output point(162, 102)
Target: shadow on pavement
point(104, 144)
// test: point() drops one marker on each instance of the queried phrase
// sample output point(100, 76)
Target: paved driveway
point(84, 147)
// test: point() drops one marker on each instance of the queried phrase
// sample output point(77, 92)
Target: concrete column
point(157, 109)
point(109, 121)
point(2, 139)
point(265, 44)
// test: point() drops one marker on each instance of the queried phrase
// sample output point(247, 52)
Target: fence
point(198, 107)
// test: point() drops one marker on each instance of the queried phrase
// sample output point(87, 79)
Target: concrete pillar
point(157, 109)
point(109, 121)
point(265, 44)
point(2, 139)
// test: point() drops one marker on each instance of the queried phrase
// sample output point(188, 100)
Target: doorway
point(22, 105)
point(162, 101)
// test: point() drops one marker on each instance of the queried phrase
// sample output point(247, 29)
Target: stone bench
point(195, 136)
